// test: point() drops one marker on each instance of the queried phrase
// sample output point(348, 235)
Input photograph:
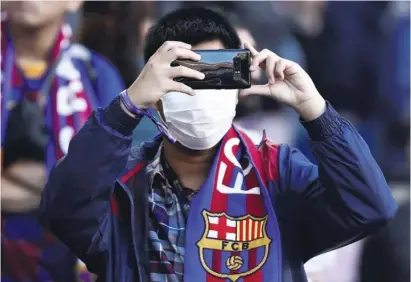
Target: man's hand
point(30, 172)
point(15, 197)
point(156, 78)
point(288, 83)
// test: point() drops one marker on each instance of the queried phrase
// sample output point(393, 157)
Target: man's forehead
point(209, 45)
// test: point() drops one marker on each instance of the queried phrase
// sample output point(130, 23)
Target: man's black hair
point(193, 26)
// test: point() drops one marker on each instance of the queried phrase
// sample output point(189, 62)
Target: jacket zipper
point(133, 228)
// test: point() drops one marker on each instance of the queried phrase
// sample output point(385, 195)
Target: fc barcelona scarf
point(67, 98)
point(232, 232)
point(66, 95)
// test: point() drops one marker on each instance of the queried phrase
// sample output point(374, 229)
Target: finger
point(257, 60)
point(172, 44)
point(279, 68)
point(290, 67)
point(180, 87)
point(185, 72)
point(256, 90)
point(180, 53)
point(252, 50)
point(269, 69)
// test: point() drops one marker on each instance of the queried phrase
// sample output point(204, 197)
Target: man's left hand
point(287, 83)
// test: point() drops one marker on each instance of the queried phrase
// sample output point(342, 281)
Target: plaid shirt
point(166, 227)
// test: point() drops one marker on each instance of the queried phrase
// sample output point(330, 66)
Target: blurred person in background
point(49, 88)
point(394, 89)
point(386, 255)
point(110, 26)
point(344, 47)
point(370, 43)
point(358, 54)
point(138, 213)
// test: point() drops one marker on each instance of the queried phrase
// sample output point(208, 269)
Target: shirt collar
point(154, 168)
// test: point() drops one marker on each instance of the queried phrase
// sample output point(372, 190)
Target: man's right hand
point(156, 78)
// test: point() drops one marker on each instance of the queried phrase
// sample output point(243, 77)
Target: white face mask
point(199, 122)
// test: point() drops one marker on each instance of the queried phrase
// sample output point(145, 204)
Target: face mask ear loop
point(161, 126)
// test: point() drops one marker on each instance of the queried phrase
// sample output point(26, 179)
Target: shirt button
point(186, 207)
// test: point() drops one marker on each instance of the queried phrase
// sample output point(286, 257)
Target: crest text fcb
point(235, 236)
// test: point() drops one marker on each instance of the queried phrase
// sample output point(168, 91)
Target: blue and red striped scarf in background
point(69, 100)
point(29, 253)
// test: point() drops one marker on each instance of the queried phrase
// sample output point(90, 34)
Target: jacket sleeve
point(75, 203)
point(342, 200)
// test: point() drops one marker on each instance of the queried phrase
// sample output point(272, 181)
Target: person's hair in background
point(116, 30)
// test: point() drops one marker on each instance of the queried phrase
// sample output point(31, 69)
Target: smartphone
point(223, 69)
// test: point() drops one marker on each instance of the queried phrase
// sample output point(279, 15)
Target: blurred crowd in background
point(358, 55)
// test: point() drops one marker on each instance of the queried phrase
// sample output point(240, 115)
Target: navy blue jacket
point(319, 208)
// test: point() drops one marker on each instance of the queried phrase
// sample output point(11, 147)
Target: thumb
point(263, 90)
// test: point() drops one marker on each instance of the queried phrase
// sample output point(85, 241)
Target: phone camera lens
point(237, 63)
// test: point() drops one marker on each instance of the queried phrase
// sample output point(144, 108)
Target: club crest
point(235, 237)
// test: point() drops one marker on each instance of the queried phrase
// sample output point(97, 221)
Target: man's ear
point(73, 5)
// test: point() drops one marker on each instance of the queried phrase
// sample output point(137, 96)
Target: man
point(49, 88)
point(203, 203)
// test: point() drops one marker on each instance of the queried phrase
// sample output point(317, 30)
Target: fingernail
point(202, 76)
